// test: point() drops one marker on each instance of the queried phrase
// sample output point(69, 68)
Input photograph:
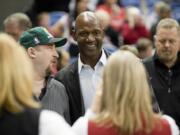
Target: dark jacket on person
point(70, 78)
point(23, 123)
point(166, 85)
point(54, 97)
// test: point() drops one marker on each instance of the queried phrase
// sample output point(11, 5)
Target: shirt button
point(169, 90)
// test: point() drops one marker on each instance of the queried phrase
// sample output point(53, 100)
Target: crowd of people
point(111, 72)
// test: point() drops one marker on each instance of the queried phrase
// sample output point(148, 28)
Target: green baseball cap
point(39, 36)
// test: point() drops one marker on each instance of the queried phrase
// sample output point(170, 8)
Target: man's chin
point(166, 59)
point(48, 71)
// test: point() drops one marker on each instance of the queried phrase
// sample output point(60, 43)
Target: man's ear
point(103, 33)
point(73, 32)
point(74, 35)
point(31, 52)
point(154, 40)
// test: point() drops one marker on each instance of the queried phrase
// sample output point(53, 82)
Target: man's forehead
point(168, 32)
point(86, 17)
point(45, 45)
point(172, 29)
point(82, 29)
point(12, 26)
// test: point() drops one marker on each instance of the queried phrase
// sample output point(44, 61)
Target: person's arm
point(80, 127)
point(174, 128)
point(51, 123)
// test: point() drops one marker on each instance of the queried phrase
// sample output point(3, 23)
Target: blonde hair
point(131, 49)
point(16, 76)
point(126, 102)
point(168, 23)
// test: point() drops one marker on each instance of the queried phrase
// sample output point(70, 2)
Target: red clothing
point(160, 128)
point(117, 19)
point(131, 35)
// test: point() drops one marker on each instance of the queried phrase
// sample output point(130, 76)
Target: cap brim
point(58, 41)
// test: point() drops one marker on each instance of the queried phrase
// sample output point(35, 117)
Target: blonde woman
point(125, 107)
point(19, 113)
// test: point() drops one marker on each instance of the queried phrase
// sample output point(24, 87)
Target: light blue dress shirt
point(90, 78)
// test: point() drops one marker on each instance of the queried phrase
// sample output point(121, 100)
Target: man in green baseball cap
point(41, 49)
point(39, 36)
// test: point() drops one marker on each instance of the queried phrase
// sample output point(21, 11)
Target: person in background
point(112, 38)
point(43, 19)
point(134, 26)
point(163, 10)
point(20, 114)
point(80, 6)
point(125, 105)
point(164, 68)
point(82, 76)
point(15, 24)
point(40, 46)
point(39, 6)
point(57, 29)
point(145, 48)
point(130, 48)
point(62, 61)
point(116, 13)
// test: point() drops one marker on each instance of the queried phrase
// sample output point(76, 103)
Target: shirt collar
point(80, 64)
point(102, 60)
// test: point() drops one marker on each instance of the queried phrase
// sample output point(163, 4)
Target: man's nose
point(55, 54)
point(167, 43)
point(90, 37)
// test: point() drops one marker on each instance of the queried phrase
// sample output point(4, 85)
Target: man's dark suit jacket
point(70, 78)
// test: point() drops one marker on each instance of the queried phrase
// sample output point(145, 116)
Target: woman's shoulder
point(172, 124)
point(166, 125)
point(52, 123)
